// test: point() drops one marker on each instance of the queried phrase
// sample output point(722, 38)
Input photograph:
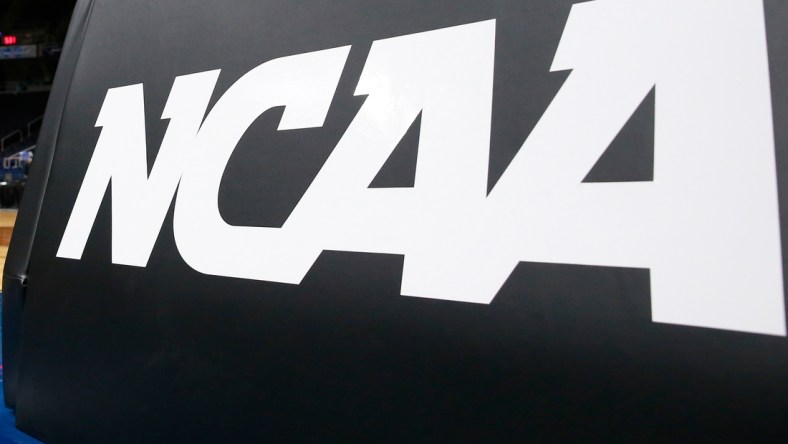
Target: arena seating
point(16, 110)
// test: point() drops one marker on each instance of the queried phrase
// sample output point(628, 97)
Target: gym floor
point(8, 431)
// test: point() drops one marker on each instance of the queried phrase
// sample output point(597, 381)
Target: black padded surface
point(564, 352)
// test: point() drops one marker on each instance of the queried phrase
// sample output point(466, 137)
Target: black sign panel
point(397, 221)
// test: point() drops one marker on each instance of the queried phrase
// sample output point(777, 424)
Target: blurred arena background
point(31, 39)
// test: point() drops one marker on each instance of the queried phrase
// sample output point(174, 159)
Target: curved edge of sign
point(15, 272)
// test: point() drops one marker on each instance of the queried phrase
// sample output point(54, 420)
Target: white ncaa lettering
point(139, 202)
point(707, 226)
